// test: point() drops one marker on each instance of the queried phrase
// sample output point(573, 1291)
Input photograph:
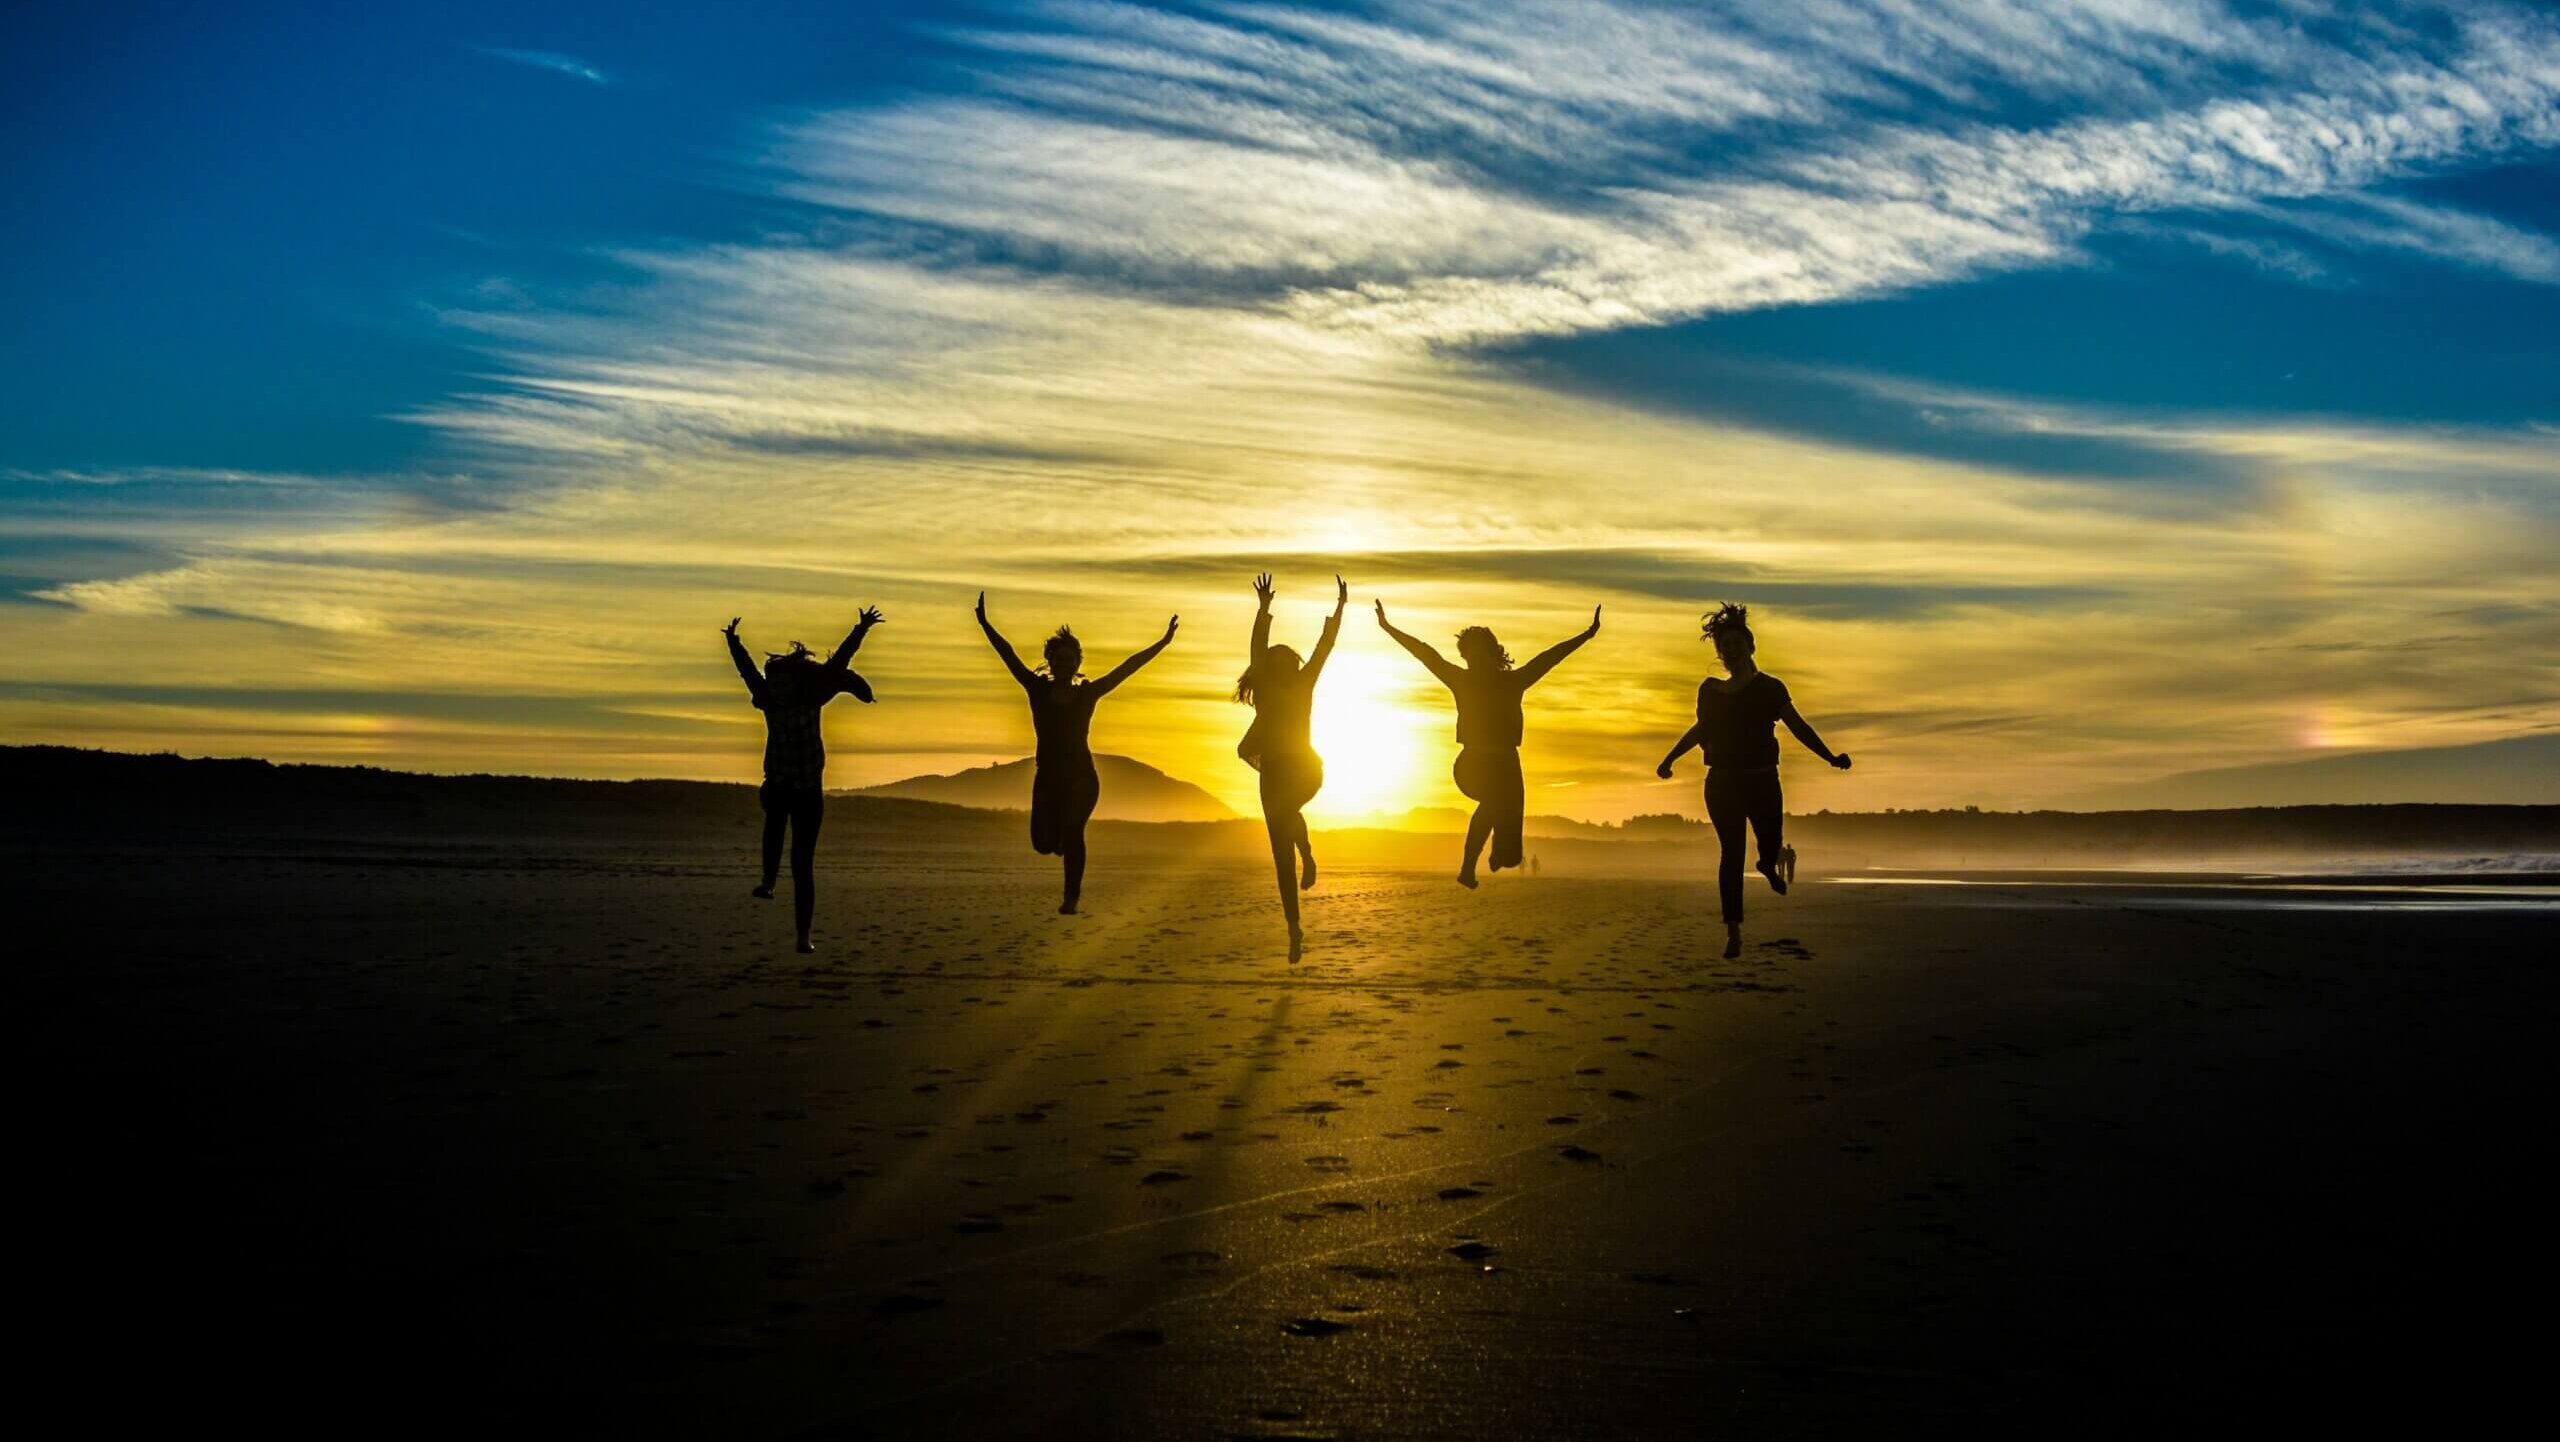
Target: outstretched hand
point(1595, 622)
point(871, 616)
point(1262, 588)
point(1171, 626)
point(1341, 594)
point(982, 608)
point(1841, 760)
point(1382, 611)
point(731, 630)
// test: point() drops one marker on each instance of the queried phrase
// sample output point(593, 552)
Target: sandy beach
point(480, 1133)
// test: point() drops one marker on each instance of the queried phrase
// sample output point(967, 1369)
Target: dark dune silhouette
point(1131, 791)
point(234, 803)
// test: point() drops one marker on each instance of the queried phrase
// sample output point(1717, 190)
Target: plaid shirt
point(795, 753)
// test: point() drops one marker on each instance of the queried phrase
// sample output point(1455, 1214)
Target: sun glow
point(1373, 745)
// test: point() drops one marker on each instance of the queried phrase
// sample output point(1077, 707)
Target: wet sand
point(455, 1135)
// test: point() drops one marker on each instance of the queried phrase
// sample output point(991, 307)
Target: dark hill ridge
point(1131, 791)
point(58, 791)
point(64, 795)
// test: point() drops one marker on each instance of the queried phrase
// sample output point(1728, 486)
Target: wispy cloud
point(1150, 297)
point(551, 60)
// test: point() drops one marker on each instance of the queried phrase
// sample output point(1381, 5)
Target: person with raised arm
point(1281, 690)
point(1738, 716)
point(1064, 786)
point(1490, 723)
point(791, 689)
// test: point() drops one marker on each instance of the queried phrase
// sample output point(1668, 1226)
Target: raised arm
point(1421, 650)
point(1130, 667)
point(1545, 661)
point(746, 664)
point(1261, 620)
point(838, 673)
point(1803, 731)
point(852, 641)
point(1004, 648)
point(1332, 629)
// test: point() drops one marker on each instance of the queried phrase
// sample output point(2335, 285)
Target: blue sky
point(2193, 318)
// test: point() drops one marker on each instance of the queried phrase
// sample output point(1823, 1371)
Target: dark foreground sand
point(317, 1144)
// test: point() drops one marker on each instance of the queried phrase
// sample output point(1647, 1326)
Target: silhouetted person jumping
point(791, 690)
point(1064, 786)
point(1737, 729)
point(1282, 693)
point(1488, 694)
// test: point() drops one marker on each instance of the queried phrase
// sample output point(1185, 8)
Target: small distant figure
point(1737, 729)
point(1281, 690)
point(791, 690)
point(1490, 724)
point(1064, 786)
point(1533, 863)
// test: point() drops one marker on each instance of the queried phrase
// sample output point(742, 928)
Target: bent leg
point(1768, 826)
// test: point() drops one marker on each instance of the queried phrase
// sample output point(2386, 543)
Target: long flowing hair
point(1249, 682)
point(1480, 641)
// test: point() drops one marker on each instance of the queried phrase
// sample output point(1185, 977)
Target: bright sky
point(2077, 390)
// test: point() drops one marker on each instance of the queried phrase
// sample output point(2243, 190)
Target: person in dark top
point(791, 690)
point(1738, 716)
point(1064, 785)
point(1490, 723)
point(1282, 693)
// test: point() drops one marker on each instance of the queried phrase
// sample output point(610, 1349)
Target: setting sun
point(1375, 759)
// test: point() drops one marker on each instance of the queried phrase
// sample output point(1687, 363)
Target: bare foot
point(1066, 908)
point(1467, 878)
point(763, 892)
point(1732, 942)
point(1297, 943)
point(1306, 871)
point(1777, 883)
point(807, 946)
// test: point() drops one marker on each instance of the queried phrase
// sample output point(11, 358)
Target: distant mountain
point(2520, 771)
point(1131, 791)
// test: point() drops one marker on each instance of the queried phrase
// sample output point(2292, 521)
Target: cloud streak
point(1141, 302)
point(551, 60)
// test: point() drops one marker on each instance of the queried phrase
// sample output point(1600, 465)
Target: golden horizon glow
point(1109, 354)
